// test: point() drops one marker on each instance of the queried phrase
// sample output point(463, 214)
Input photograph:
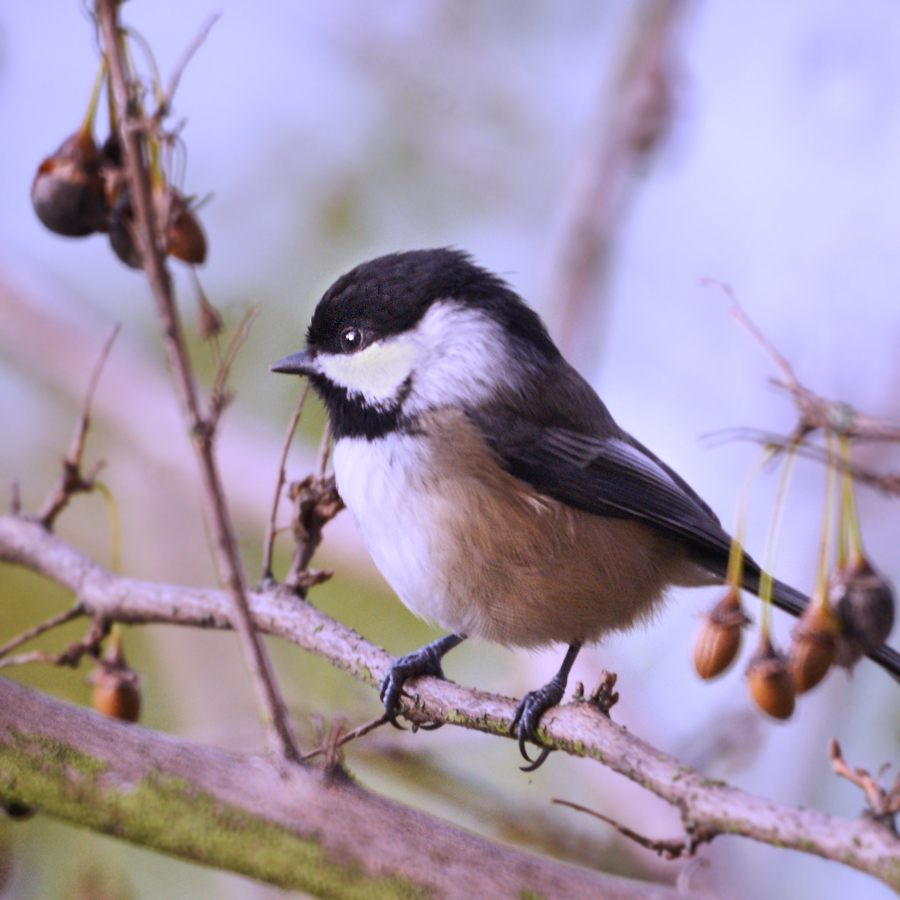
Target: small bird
point(491, 485)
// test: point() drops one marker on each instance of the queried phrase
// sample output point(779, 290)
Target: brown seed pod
point(121, 223)
point(185, 239)
point(719, 637)
point(813, 645)
point(864, 606)
point(116, 686)
point(769, 680)
point(67, 192)
point(117, 695)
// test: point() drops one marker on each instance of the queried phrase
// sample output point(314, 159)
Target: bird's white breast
point(385, 484)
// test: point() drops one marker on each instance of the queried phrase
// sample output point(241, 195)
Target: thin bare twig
point(272, 528)
point(348, 736)
point(219, 396)
point(886, 482)
point(228, 564)
point(53, 622)
point(883, 805)
point(815, 412)
point(72, 481)
point(672, 848)
point(324, 447)
point(182, 64)
point(71, 656)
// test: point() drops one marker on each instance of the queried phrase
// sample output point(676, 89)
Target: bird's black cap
point(390, 294)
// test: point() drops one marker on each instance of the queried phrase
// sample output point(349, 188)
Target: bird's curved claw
point(420, 662)
point(427, 726)
point(527, 717)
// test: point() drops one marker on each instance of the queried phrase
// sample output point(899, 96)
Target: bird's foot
point(424, 661)
point(528, 716)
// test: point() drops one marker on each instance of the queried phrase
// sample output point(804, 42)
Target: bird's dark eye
point(353, 339)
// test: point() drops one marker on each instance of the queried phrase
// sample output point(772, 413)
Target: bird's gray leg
point(535, 703)
point(424, 661)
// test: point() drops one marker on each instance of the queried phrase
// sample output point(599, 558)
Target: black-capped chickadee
point(491, 485)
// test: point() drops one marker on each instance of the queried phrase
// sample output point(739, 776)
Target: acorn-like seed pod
point(116, 686)
point(185, 239)
point(117, 695)
point(864, 606)
point(813, 645)
point(67, 192)
point(719, 637)
point(769, 680)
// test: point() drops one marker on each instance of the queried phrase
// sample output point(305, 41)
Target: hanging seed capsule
point(864, 606)
point(67, 192)
point(769, 680)
point(719, 638)
point(121, 223)
point(813, 645)
point(116, 686)
point(116, 694)
point(185, 239)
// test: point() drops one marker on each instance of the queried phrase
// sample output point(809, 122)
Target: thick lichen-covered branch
point(302, 829)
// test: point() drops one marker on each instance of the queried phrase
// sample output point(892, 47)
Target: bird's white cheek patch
point(375, 373)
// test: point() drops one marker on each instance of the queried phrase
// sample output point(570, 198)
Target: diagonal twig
point(671, 848)
point(219, 396)
point(193, 47)
point(348, 736)
point(72, 480)
point(271, 528)
point(815, 412)
point(218, 519)
point(72, 655)
point(73, 612)
point(883, 805)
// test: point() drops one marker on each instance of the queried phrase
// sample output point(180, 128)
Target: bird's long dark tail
point(794, 602)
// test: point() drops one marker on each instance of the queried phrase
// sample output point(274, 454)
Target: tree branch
point(218, 519)
point(631, 122)
point(708, 808)
point(815, 412)
point(301, 829)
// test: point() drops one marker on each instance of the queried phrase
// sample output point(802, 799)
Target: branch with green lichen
point(306, 829)
point(708, 808)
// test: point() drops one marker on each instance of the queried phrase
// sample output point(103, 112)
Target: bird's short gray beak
point(299, 363)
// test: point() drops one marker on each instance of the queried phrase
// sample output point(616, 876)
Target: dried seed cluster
point(850, 614)
point(81, 189)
